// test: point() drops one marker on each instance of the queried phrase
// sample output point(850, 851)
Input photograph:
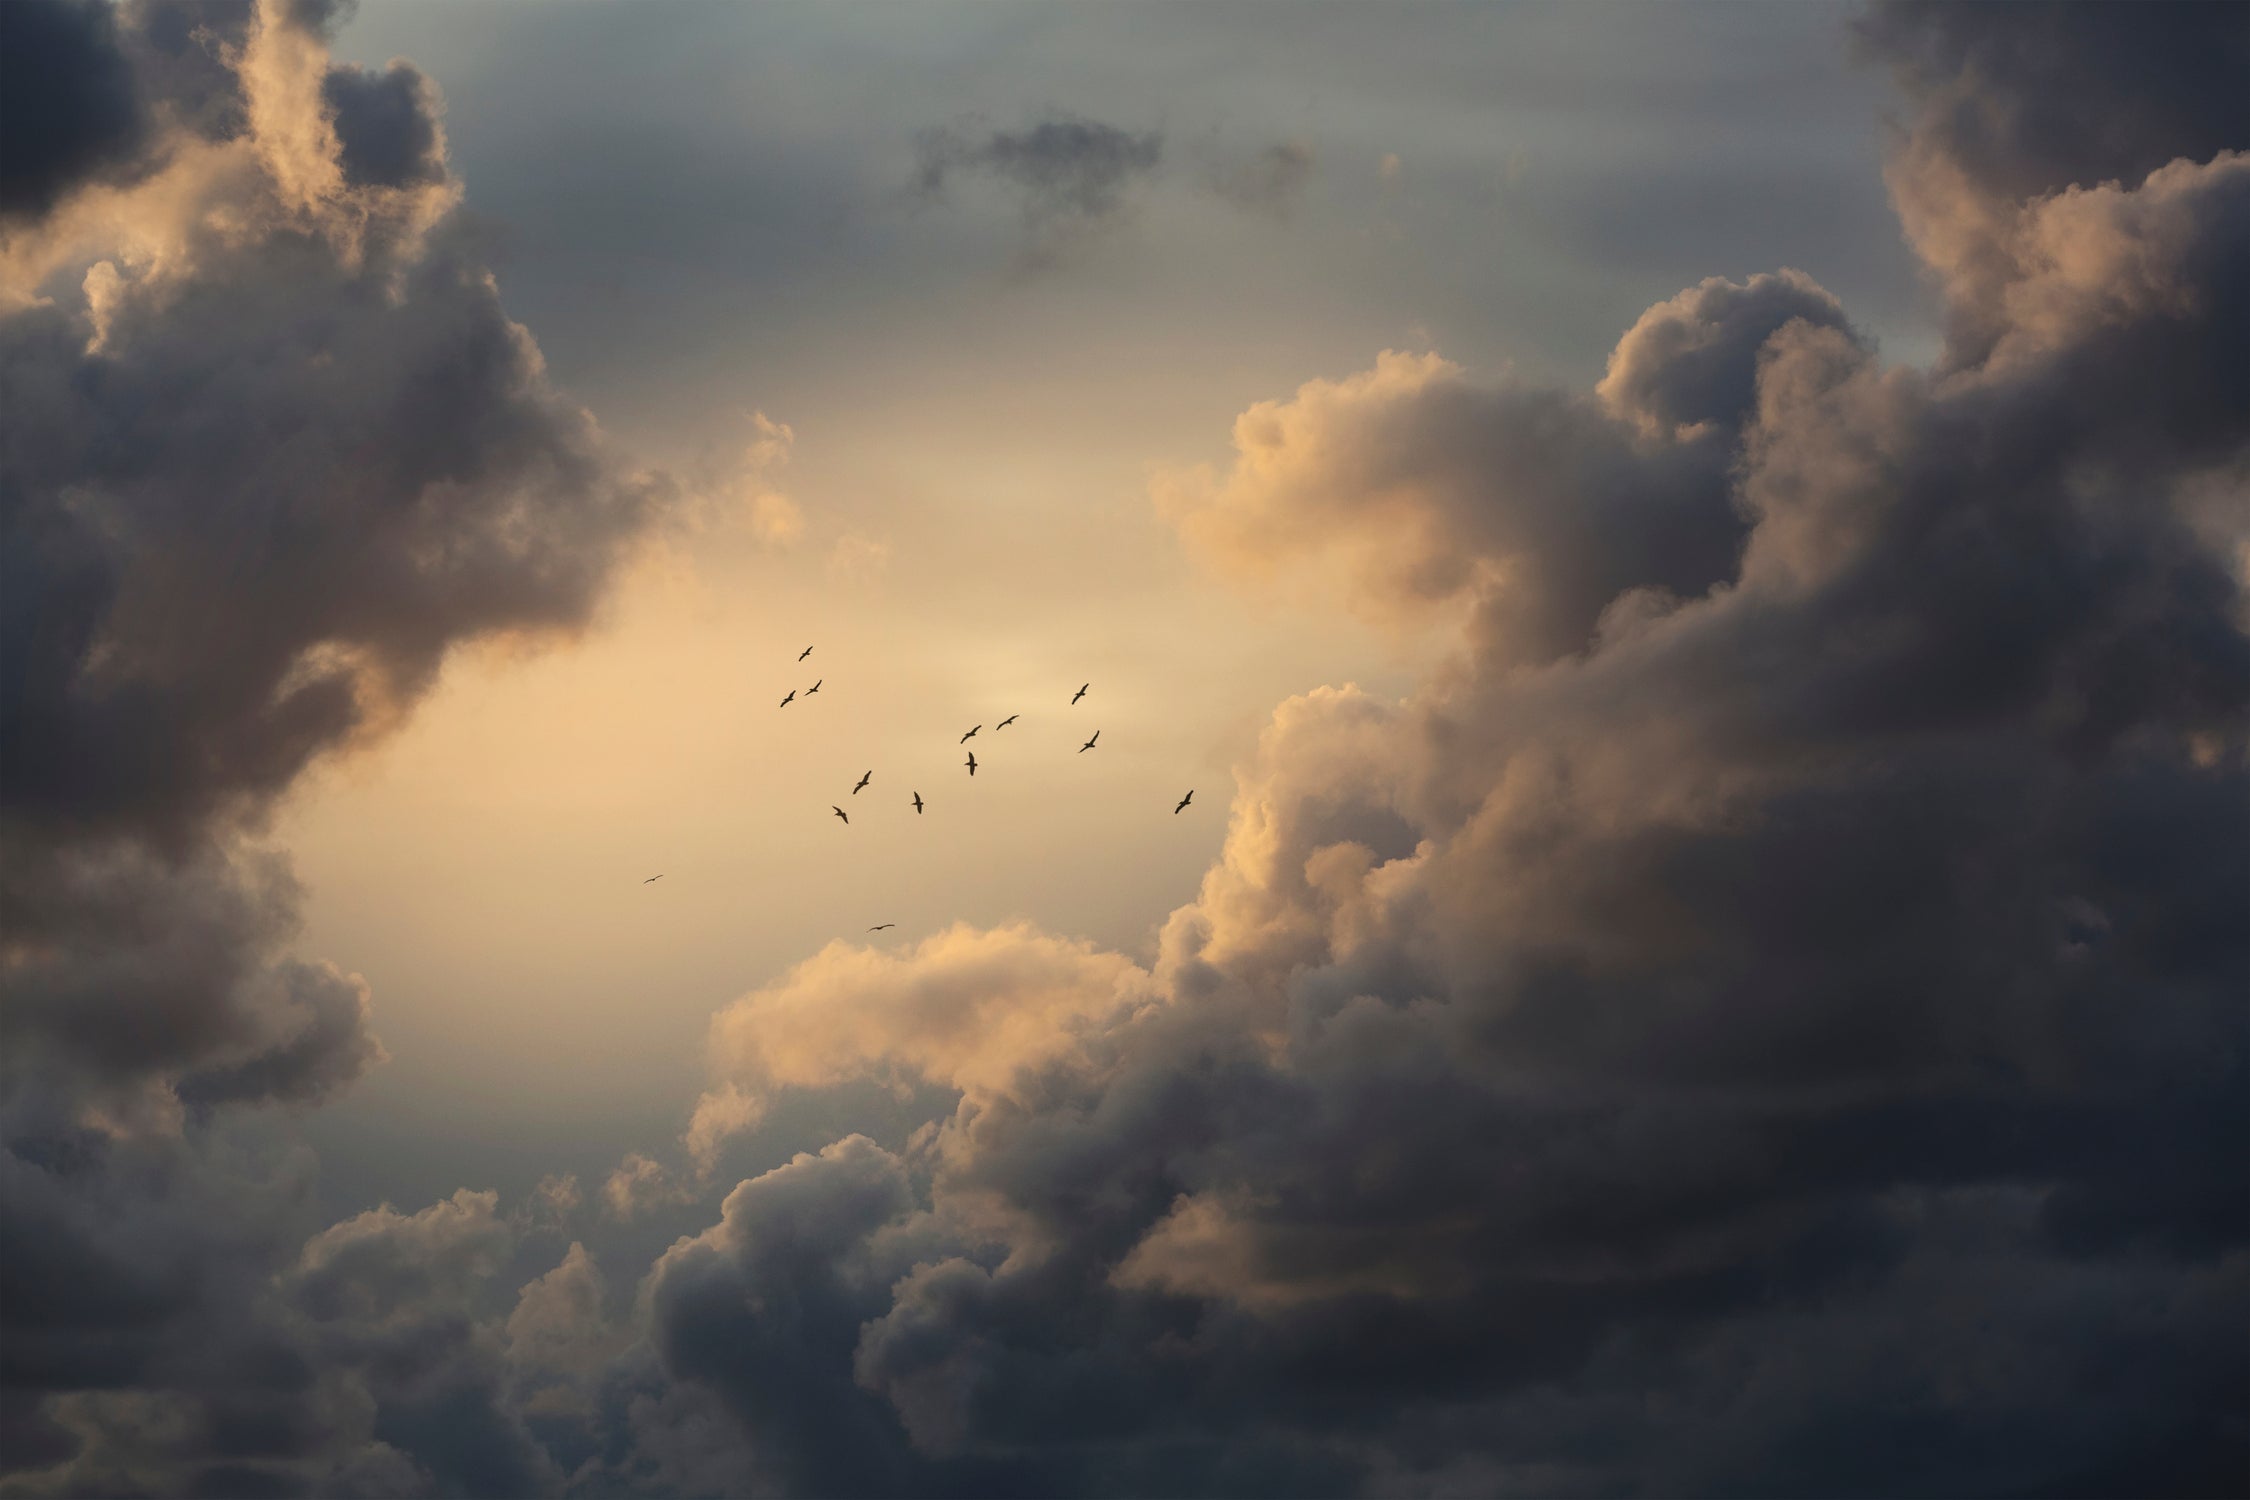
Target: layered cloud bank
point(1768, 1016)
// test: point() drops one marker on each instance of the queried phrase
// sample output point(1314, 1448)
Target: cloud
point(774, 518)
point(1072, 175)
point(962, 1009)
point(274, 450)
point(1272, 182)
point(857, 559)
point(640, 1184)
point(1764, 1016)
point(764, 1307)
point(68, 108)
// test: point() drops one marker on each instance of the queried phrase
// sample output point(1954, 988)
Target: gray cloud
point(1270, 182)
point(386, 125)
point(1072, 174)
point(68, 108)
point(258, 480)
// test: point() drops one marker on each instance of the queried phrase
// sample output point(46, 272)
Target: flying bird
point(652, 880)
point(879, 926)
point(814, 688)
point(917, 801)
point(804, 653)
point(972, 763)
point(790, 699)
point(839, 812)
point(1004, 723)
point(862, 782)
point(972, 734)
point(1184, 801)
point(1082, 749)
point(1074, 697)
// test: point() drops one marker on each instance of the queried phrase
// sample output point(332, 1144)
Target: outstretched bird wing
point(839, 812)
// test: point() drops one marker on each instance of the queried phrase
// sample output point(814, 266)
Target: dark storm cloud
point(1072, 174)
point(1767, 1019)
point(68, 109)
point(2031, 98)
point(385, 125)
point(258, 481)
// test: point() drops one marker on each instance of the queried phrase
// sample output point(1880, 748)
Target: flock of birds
point(869, 775)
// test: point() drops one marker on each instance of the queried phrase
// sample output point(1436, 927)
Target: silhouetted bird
point(814, 688)
point(1074, 697)
point(790, 699)
point(839, 812)
point(917, 801)
point(652, 880)
point(1082, 749)
point(879, 926)
point(972, 734)
point(972, 763)
point(804, 653)
point(1004, 723)
point(1184, 801)
point(862, 782)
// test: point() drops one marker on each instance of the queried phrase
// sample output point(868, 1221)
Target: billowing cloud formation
point(1768, 1017)
point(272, 450)
point(1072, 174)
point(1389, 478)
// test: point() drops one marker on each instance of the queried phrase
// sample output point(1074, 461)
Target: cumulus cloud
point(273, 450)
point(1766, 1016)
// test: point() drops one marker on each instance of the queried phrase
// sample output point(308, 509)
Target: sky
point(1694, 558)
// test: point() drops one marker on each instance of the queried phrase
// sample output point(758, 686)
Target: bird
point(1082, 749)
point(652, 880)
point(972, 763)
point(972, 734)
point(917, 802)
point(804, 653)
point(839, 812)
point(1074, 697)
point(862, 782)
point(790, 699)
point(1004, 723)
point(1184, 801)
point(814, 688)
point(879, 926)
